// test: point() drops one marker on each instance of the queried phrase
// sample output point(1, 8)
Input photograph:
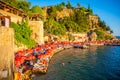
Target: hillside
point(61, 19)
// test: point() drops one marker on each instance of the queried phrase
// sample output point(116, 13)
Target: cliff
point(64, 13)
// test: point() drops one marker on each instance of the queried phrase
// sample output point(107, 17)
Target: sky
point(107, 10)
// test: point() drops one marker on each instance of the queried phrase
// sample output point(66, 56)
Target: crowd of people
point(37, 59)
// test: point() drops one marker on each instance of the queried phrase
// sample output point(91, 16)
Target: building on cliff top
point(16, 14)
point(5, 21)
point(10, 14)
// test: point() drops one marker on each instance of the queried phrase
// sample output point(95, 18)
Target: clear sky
point(108, 10)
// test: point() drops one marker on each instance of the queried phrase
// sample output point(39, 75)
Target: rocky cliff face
point(64, 13)
point(92, 36)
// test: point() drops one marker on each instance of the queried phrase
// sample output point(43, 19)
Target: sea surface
point(118, 37)
point(95, 63)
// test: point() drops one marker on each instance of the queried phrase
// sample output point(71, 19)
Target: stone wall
point(6, 53)
point(14, 18)
point(37, 31)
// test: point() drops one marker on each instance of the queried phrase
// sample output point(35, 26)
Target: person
point(31, 62)
point(63, 63)
point(34, 52)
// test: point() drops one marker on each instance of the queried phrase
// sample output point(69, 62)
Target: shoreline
point(40, 61)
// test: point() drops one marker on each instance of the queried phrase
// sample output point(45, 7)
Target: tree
point(12, 2)
point(60, 6)
point(20, 4)
point(81, 19)
point(69, 6)
point(89, 10)
point(22, 34)
point(63, 4)
point(53, 27)
point(78, 5)
point(83, 9)
point(102, 24)
point(36, 9)
point(111, 31)
point(107, 28)
point(24, 5)
point(52, 12)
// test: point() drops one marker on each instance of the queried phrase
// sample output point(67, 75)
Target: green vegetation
point(20, 4)
point(101, 35)
point(36, 9)
point(25, 6)
point(103, 26)
point(69, 6)
point(22, 34)
point(53, 27)
point(77, 22)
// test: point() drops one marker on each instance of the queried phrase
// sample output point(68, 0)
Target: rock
point(92, 36)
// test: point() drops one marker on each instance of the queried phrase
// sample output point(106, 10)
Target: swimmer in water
point(63, 63)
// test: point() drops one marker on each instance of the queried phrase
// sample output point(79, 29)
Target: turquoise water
point(96, 63)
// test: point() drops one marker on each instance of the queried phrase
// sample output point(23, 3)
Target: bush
point(102, 35)
point(22, 34)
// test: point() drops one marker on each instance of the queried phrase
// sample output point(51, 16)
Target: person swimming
point(63, 63)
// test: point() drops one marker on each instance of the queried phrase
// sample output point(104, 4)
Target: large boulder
point(92, 36)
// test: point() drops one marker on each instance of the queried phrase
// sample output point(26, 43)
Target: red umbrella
point(29, 51)
point(21, 53)
point(30, 57)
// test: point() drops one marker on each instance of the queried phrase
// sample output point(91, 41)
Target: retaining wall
point(6, 53)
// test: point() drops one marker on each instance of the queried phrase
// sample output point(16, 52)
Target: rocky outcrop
point(64, 13)
point(92, 36)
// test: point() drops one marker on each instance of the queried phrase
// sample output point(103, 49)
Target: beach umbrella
point(30, 57)
point(21, 53)
point(29, 51)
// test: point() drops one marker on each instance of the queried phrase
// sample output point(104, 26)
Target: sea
point(118, 37)
point(95, 63)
